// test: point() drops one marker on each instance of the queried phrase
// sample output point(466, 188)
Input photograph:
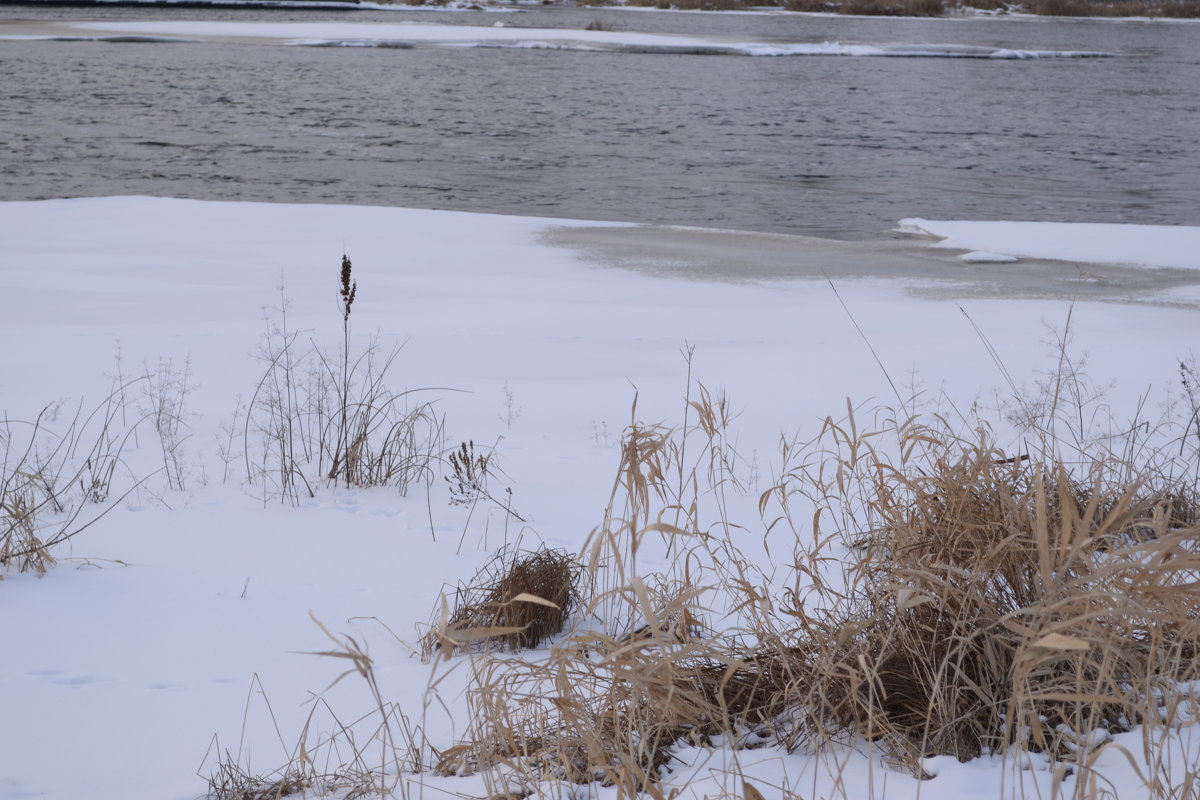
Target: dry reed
point(945, 597)
point(994, 602)
point(986, 603)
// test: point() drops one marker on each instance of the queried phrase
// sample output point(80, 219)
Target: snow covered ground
point(1135, 245)
point(177, 626)
point(409, 34)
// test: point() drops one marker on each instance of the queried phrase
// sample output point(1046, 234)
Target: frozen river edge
point(941, 272)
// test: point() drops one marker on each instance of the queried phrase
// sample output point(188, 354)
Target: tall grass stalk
point(315, 417)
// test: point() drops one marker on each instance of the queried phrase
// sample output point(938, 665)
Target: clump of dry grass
point(937, 8)
point(611, 710)
point(995, 602)
point(19, 541)
point(519, 600)
point(1180, 9)
point(984, 5)
point(1086, 8)
point(231, 782)
point(894, 8)
point(1114, 8)
point(642, 674)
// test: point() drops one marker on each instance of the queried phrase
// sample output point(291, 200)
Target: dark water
point(828, 146)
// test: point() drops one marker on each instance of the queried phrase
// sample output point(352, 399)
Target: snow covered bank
point(1156, 246)
point(349, 34)
point(183, 608)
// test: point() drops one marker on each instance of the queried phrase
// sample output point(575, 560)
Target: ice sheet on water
point(340, 34)
point(717, 49)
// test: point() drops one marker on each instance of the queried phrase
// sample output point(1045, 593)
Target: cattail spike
point(349, 288)
point(345, 275)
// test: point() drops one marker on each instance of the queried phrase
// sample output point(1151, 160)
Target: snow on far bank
point(515, 6)
point(984, 257)
point(350, 34)
point(1155, 246)
point(331, 5)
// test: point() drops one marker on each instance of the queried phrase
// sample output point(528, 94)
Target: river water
point(830, 146)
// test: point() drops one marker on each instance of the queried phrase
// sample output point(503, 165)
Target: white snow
point(184, 615)
point(984, 257)
point(431, 34)
point(1159, 246)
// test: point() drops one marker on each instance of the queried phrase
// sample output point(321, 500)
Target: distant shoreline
point(1075, 9)
point(292, 5)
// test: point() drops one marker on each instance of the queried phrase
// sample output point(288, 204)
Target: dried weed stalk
point(56, 484)
point(469, 480)
point(319, 417)
point(363, 757)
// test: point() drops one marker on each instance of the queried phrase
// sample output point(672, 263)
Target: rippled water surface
point(821, 145)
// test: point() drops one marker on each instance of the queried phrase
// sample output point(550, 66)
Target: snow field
point(165, 617)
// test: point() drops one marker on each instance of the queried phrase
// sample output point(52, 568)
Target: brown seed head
point(349, 290)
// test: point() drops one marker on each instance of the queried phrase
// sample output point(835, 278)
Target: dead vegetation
point(469, 478)
point(58, 477)
point(612, 710)
point(938, 8)
point(321, 416)
point(1114, 8)
point(873, 8)
point(948, 598)
point(998, 605)
point(231, 782)
point(517, 601)
point(1002, 603)
point(943, 596)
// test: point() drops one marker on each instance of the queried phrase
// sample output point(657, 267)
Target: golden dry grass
point(1002, 602)
point(942, 597)
point(936, 8)
point(989, 603)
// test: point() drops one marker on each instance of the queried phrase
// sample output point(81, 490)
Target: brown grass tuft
point(1181, 9)
point(936, 8)
point(611, 710)
point(231, 782)
point(894, 8)
point(1000, 602)
point(1094, 8)
point(517, 601)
